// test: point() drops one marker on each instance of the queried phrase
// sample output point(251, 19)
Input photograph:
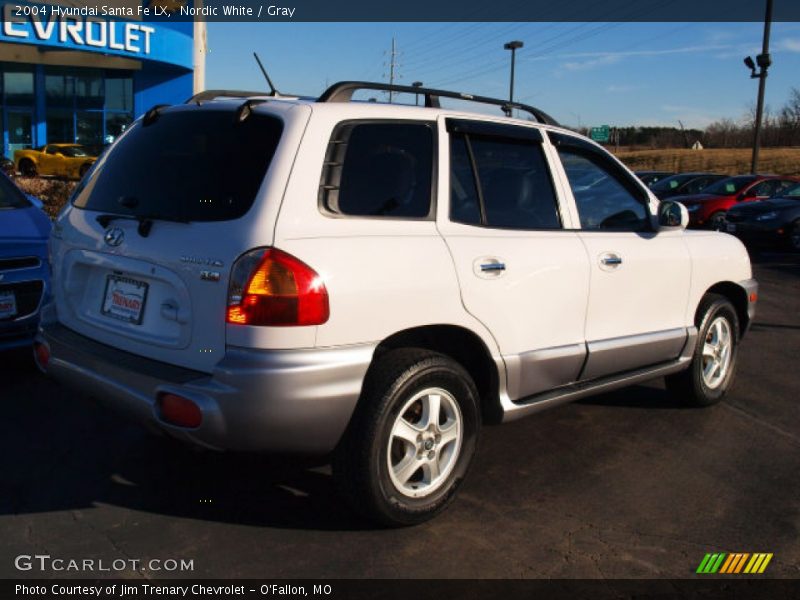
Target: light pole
point(416, 84)
point(764, 61)
point(513, 46)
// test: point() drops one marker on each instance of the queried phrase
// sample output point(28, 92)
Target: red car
point(707, 210)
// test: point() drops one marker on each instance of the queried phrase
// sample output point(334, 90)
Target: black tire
point(84, 169)
point(361, 463)
point(689, 386)
point(717, 221)
point(27, 168)
point(793, 236)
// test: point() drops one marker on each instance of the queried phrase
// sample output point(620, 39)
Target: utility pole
point(764, 61)
point(392, 66)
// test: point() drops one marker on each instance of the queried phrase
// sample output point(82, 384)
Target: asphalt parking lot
point(628, 484)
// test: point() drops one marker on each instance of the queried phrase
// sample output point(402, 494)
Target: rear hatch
point(142, 258)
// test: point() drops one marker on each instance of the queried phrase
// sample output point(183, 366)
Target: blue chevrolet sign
point(75, 28)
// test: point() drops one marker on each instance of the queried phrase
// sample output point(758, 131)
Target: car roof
point(287, 105)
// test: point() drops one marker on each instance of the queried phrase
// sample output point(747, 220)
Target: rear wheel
point(84, 169)
point(717, 221)
point(412, 439)
point(710, 374)
point(793, 238)
point(27, 167)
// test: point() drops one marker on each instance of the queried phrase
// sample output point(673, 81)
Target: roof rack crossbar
point(343, 92)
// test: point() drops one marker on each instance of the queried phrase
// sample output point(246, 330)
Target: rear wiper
point(145, 221)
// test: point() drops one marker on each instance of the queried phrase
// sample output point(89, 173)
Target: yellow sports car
point(61, 160)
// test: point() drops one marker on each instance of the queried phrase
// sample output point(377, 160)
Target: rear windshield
point(187, 165)
point(10, 196)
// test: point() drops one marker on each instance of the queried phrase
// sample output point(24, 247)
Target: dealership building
point(67, 76)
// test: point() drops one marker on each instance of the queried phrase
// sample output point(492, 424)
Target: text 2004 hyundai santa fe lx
point(373, 281)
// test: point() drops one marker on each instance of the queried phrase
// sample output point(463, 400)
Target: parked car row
point(763, 210)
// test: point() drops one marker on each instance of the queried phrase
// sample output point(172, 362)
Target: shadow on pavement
point(63, 452)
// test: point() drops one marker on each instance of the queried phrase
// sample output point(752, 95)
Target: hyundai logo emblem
point(114, 236)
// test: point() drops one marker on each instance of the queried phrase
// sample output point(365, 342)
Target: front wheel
point(710, 374)
point(717, 221)
point(411, 440)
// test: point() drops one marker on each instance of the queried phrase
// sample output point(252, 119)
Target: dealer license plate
point(124, 299)
point(8, 305)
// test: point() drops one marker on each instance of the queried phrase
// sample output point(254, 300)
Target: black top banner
point(429, 10)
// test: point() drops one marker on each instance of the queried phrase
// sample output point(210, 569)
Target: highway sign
point(601, 134)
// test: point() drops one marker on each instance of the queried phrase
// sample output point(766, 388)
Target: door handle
point(611, 260)
point(493, 266)
point(488, 267)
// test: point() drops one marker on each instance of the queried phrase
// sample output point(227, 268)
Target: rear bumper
point(282, 401)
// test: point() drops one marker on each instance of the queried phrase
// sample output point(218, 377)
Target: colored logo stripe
point(734, 563)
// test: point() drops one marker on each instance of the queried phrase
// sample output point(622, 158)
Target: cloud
point(608, 59)
point(603, 58)
point(622, 89)
point(691, 116)
point(789, 45)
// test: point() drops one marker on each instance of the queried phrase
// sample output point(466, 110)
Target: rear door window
point(498, 180)
point(186, 165)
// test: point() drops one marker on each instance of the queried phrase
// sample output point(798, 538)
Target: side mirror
point(58, 155)
point(672, 215)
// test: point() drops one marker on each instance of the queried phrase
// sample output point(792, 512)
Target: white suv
point(373, 281)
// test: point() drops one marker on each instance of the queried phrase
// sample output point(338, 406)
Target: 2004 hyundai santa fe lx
point(270, 274)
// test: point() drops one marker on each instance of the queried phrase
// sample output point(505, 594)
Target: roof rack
point(343, 92)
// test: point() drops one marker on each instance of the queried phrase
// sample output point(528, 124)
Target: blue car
point(24, 273)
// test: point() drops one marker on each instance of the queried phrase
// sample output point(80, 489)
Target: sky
point(583, 74)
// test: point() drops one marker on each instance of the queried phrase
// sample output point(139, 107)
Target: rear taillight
point(271, 287)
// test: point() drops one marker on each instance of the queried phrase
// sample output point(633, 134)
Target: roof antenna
point(273, 91)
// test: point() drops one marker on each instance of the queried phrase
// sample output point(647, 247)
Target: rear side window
point(510, 186)
point(379, 169)
point(187, 165)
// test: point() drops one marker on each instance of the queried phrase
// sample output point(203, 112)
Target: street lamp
point(763, 61)
point(416, 84)
point(513, 46)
